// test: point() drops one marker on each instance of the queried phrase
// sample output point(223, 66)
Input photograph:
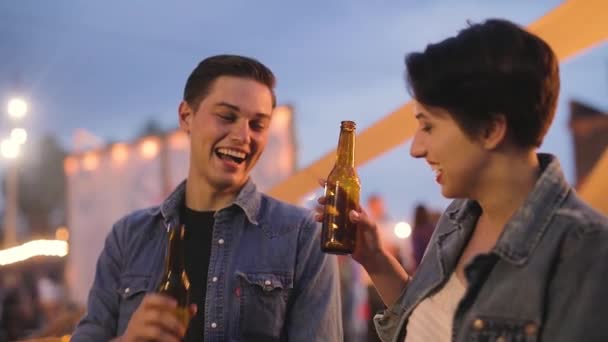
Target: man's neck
point(201, 196)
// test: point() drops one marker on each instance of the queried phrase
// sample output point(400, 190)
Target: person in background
point(422, 232)
point(355, 315)
point(400, 248)
point(21, 313)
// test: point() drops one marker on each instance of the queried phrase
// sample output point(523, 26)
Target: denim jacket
point(268, 279)
point(546, 279)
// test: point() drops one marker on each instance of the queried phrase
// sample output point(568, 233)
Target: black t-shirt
point(198, 235)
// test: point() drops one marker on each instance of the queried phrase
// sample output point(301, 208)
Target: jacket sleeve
point(100, 320)
point(578, 300)
point(316, 314)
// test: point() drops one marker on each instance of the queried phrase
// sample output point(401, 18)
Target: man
point(254, 263)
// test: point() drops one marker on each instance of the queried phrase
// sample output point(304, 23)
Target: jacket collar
point(524, 230)
point(248, 199)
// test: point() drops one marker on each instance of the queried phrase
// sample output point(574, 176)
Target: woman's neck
point(508, 183)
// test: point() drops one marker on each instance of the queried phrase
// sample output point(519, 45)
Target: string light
point(403, 230)
point(32, 249)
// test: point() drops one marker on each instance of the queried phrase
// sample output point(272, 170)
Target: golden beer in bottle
point(342, 190)
point(175, 282)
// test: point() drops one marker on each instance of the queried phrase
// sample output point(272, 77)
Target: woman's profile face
point(457, 160)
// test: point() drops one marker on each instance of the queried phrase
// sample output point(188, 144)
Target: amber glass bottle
point(175, 282)
point(342, 190)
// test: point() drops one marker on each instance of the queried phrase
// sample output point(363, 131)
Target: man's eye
point(427, 128)
point(227, 117)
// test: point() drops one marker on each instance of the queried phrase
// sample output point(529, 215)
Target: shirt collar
point(248, 199)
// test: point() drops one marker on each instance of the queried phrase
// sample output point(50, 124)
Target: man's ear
point(496, 132)
point(185, 115)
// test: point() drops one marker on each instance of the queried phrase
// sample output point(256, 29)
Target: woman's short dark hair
point(208, 70)
point(491, 68)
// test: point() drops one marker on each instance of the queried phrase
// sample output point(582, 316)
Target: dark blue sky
point(108, 66)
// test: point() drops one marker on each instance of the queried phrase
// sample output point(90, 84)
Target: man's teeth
point(232, 153)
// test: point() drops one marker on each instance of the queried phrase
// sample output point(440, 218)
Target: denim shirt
point(544, 280)
point(268, 279)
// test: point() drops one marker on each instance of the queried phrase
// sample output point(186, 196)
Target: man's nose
point(241, 132)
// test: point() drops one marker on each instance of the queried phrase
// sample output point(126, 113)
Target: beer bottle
point(342, 195)
point(175, 282)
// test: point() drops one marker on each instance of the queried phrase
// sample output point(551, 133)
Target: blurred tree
point(151, 127)
point(42, 188)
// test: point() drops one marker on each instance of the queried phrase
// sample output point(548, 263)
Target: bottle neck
point(175, 254)
point(345, 154)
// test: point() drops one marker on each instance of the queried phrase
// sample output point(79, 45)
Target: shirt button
point(478, 324)
point(214, 279)
point(220, 241)
point(214, 325)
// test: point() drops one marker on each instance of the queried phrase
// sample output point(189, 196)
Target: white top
point(432, 319)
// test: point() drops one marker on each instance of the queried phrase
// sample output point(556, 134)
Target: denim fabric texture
point(268, 279)
point(545, 279)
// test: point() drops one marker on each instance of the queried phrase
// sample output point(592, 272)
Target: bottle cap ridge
point(348, 124)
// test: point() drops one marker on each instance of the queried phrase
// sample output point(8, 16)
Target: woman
point(517, 256)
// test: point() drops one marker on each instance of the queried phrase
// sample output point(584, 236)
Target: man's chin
point(225, 183)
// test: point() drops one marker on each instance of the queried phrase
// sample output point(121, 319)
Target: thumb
point(361, 219)
point(354, 216)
